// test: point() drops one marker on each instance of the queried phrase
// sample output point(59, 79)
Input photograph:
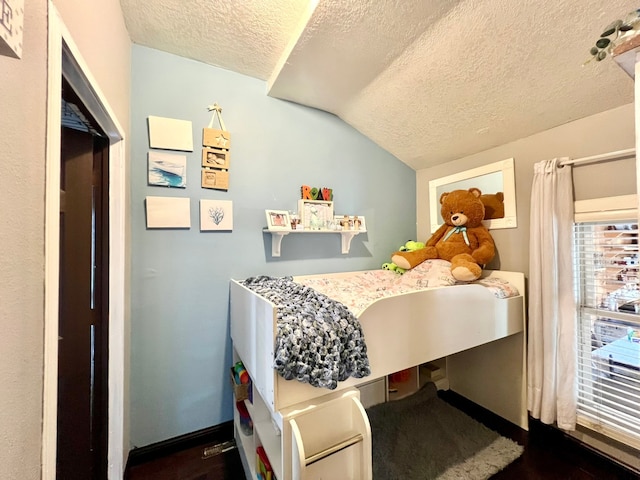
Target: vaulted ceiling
point(428, 80)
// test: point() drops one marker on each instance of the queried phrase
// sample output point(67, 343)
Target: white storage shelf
point(266, 433)
point(277, 235)
point(319, 439)
point(303, 441)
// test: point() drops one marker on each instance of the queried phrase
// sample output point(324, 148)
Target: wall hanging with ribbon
point(212, 137)
point(215, 153)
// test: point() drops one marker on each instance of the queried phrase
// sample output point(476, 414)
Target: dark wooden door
point(83, 315)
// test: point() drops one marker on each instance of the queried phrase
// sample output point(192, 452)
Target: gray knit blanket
point(318, 340)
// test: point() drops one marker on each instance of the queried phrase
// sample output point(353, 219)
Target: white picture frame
point(278, 220)
point(349, 222)
point(316, 212)
point(492, 178)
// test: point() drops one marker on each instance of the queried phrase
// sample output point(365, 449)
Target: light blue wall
point(180, 347)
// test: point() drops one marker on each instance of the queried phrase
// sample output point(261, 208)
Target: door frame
point(64, 58)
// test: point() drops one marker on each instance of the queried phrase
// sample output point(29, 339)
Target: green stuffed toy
point(410, 246)
point(393, 267)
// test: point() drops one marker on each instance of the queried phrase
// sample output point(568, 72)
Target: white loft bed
point(483, 338)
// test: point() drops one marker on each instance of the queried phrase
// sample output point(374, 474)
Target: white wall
point(22, 135)
point(99, 31)
point(23, 96)
point(608, 131)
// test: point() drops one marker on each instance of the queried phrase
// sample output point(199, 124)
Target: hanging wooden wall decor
point(215, 153)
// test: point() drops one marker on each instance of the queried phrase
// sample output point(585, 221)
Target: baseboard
point(216, 434)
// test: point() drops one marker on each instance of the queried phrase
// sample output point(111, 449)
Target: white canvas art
point(216, 215)
point(167, 169)
point(170, 134)
point(168, 212)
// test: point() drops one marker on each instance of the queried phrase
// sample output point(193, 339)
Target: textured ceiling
point(429, 81)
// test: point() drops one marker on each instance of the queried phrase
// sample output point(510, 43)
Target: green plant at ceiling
point(613, 34)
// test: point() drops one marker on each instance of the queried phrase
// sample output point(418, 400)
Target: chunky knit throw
point(318, 340)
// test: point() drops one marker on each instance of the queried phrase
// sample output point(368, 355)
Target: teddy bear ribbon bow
point(462, 230)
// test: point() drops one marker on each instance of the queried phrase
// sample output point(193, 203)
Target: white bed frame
point(483, 338)
point(311, 433)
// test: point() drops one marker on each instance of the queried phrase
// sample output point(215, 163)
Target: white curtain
point(552, 343)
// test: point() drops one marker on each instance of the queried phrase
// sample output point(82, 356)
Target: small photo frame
point(215, 179)
point(359, 223)
point(316, 214)
point(278, 220)
point(350, 222)
point(215, 158)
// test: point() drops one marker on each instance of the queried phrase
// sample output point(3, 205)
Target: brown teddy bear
point(462, 239)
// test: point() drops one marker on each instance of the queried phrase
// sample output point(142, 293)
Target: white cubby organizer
point(302, 441)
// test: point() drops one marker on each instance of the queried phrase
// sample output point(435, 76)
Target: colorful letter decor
point(313, 193)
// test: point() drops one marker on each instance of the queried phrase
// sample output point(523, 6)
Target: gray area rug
point(422, 437)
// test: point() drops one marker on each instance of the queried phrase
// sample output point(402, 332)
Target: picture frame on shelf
point(359, 223)
point(316, 214)
point(350, 222)
point(278, 220)
point(215, 158)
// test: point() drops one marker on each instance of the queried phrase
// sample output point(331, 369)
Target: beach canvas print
point(167, 170)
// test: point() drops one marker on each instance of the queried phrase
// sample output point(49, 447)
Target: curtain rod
point(602, 157)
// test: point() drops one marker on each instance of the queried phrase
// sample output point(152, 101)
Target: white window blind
point(607, 279)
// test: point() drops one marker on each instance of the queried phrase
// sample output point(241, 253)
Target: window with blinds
point(608, 284)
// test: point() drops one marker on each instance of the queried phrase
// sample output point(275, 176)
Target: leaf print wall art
point(216, 215)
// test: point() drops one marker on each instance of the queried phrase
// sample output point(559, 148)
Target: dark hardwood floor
point(548, 454)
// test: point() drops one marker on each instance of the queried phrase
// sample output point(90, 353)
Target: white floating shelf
point(276, 238)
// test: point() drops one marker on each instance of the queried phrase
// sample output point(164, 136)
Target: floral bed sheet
point(361, 289)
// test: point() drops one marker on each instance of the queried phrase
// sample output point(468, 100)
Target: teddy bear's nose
point(454, 218)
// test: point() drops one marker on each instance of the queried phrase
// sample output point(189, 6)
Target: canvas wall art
point(216, 215)
point(168, 212)
point(170, 134)
point(167, 170)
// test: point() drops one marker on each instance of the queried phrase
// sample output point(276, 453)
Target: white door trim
point(64, 59)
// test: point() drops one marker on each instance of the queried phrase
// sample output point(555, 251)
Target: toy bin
point(241, 383)
point(246, 424)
